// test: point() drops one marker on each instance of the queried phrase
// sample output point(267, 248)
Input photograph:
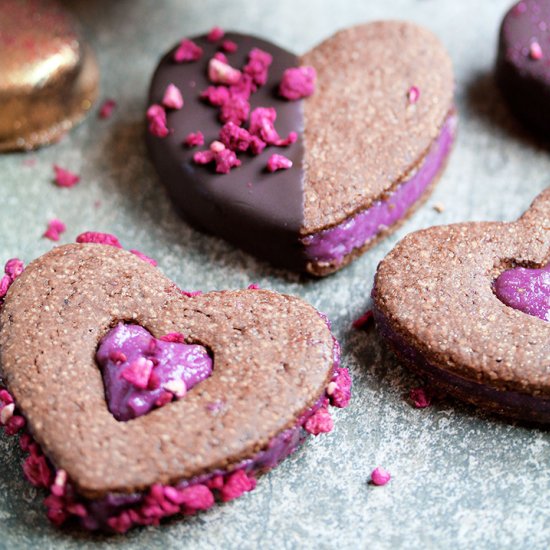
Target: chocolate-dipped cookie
point(468, 306)
point(304, 161)
point(144, 401)
point(48, 74)
point(522, 68)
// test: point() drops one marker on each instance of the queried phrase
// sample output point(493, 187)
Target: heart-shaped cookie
point(437, 303)
point(273, 359)
point(311, 183)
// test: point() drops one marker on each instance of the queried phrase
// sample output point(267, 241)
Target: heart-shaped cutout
point(434, 301)
point(371, 139)
point(273, 357)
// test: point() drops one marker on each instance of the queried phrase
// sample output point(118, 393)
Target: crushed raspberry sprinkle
point(215, 95)
point(222, 73)
point(262, 124)
point(364, 320)
point(413, 95)
point(138, 373)
point(235, 109)
point(297, 83)
point(257, 66)
point(535, 51)
point(12, 269)
point(64, 177)
point(191, 294)
point(215, 34)
point(235, 485)
point(98, 238)
point(224, 158)
point(54, 229)
point(194, 139)
point(420, 398)
point(172, 97)
point(107, 108)
point(339, 388)
point(253, 286)
point(319, 422)
point(187, 51)
point(220, 56)
point(175, 337)
point(380, 476)
point(278, 162)
point(229, 46)
point(156, 115)
point(234, 137)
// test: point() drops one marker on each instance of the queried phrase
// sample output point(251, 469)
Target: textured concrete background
point(460, 478)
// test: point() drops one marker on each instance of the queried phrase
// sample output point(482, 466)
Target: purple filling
point(130, 358)
point(332, 245)
point(527, 290)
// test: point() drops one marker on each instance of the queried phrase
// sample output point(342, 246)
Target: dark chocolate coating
point(259, 211)
point(524, 81)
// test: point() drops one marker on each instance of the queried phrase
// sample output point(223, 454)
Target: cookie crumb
point(439, 207)
point(54, 230)
point(379, 476)
point(64, 177)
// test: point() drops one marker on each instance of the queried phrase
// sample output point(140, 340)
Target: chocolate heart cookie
point(468, 306)
point(145, 402)
point(307, 161)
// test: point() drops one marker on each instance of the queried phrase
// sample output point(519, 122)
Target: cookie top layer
point(362, 136)
point(273, 357)
point(436, 290)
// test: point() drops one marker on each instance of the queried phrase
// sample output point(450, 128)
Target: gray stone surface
point(460, 479)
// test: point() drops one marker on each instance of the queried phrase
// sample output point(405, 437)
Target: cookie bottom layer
point(506, 403)
point(328, 250)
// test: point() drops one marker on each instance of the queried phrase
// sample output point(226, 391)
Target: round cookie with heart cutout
point(137, 401)
point(468, 306)
point(304, 161)
point(522, 68)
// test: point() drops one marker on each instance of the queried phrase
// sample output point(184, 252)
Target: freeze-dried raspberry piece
point(420, 398)
point(298, 82)
point(172, 97)
point(257, 145)
point(54, 229)
point(234, 137)
point(98, 238)
point(224, 158)
point(156, 115)
point(380, 476)
point(235, 109)
point(14, 268)
point(235, 485)
point(244, 88)
point(187, 51)
point(222, 73)
point(262, 125)
point(65, 178)
point(364, 320)
point(138, 372)
point(215, 34)
point(107, 108)
point(229, 46)
point(339, 388)
point(194, 139)
point(220, 56)
point(257, 66)
point(319, 422)
point(413, 95)
point(215, 95)
point(278, 162)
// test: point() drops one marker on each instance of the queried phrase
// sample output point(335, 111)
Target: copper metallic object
point(48, 74)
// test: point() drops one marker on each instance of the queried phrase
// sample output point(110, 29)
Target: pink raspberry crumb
point(5, 283)
point(262, 124)
point(535, 51)
point(339, 388)
point(156, 115)
point(36, 470)
point(413, 95)
point(64, 178)
point(107, 108)
point(258, 65)
point(229, 46)
point(420, 398)
point(187, 51)
point(222, 73)
point(236, 109)
point(138, 372)
point(298, 82)
point(192, 293)
point(224, 158)
point(215, 95)
point(143, 257)
point(14, 424)
point(236, 484)
point(54, 229)
point(380, 476)
point(253, 286)
point(98, 238)
point(14, 268)
point(194, 139)
point(176, 337)
point(220, 56)
point(234, 137)
point(172, 98)
point(319, 422)
point(215, 34)
point(364, 320)
point(278, 162)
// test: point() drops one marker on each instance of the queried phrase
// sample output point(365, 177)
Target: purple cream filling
point(332, 245)
point(527, 290)
point(176, 368)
